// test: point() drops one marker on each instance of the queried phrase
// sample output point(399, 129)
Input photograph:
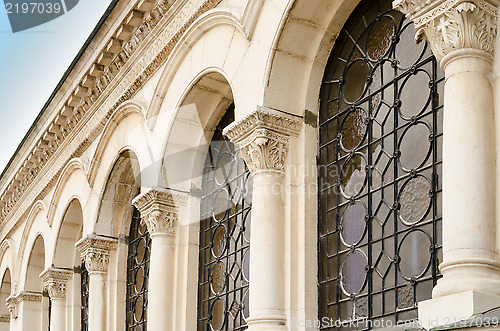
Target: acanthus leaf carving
point(450, 25)
point(263, 138)
point(94, 251)
point(159, 209)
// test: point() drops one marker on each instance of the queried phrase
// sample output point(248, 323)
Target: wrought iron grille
point(84, 288)
point(379, 172)
point(137, 274)
point(224, 236)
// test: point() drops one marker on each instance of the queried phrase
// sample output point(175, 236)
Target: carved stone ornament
point(263, 138)
point(55, 281)
point(159, 209)
point(450, 25)
point(94, 251)
point(13, 301)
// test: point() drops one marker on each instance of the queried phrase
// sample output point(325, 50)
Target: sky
point(31, 64)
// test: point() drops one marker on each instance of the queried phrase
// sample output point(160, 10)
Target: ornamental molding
point(12, 306)
point(450, 25)
point(159, 209)
point(55, 281)
point(263, 138)
point(144, 47)
point(94, 251)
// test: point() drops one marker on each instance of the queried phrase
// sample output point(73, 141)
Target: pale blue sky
point(31, 64)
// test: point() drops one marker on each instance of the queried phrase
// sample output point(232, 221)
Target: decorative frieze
point(94, 251)
point(263, 139)
point(55, 281)
point(13, 301)
point(450, 25)
point(140, 58)
point(159, 209)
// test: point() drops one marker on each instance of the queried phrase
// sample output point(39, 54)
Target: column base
point(453, 308)
point(267, 323)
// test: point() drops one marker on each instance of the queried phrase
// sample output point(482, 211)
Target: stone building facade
point(262, 164)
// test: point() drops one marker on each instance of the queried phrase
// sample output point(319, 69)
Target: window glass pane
point(139, 250)
point(224, 236)
point(379, 170)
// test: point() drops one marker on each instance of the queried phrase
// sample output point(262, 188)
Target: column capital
point(263, 138)
point(450, 25)
point(13, 301)
point(55, 281)
point(159, 209)
point(94, 251)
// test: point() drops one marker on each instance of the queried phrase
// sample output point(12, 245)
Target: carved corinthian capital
point(159, 209)
point(263, 138)
point(94, 251)
point(55, 281)
point(13, 301)
point(450, 25)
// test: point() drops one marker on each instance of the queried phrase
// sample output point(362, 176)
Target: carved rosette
point(159, 210)
point(450, 25)
point(55, 281)
point(263, 138)
point(94, 251)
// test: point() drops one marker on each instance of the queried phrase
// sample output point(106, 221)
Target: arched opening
point(120, 219)
point(5, 290)
point(379, 171)
point(67, 257)
point(35, 305)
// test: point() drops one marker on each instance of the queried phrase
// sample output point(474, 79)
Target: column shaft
point(58, 315)
point(97, 301)
point(161, 280)
point(267, 251)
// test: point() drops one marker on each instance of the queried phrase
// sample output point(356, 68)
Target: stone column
point(94, 251)
point(159, 212)
point(55, 281)
point(263, 138)
point(462, 35)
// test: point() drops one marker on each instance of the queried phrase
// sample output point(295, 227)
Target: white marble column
point(263, 137)
point(159, 211)
point(94, 251)
point(462, 35)
point(55, 281)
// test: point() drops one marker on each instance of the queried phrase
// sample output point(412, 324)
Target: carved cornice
point(101, 91)
point(159, 209)
point(55, 281)
point(450, 25)
point(263, 138)
point(94, 251)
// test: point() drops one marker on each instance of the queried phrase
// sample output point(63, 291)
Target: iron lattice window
point(224, 236)
point(137, 274)
point(84, 288)
point(379, 172)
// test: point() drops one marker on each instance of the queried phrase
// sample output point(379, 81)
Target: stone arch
point(67, 233)
point(35, 265)
point(300, 51)
point(72, 183)
point(5, 291)
point(180, 73)
point(8, 261)
point(199, 110)
point(113, 219)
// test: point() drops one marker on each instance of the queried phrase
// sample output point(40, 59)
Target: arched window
point(139, 247)
point(224, 236)
point(379, 171)
point(84, 308)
